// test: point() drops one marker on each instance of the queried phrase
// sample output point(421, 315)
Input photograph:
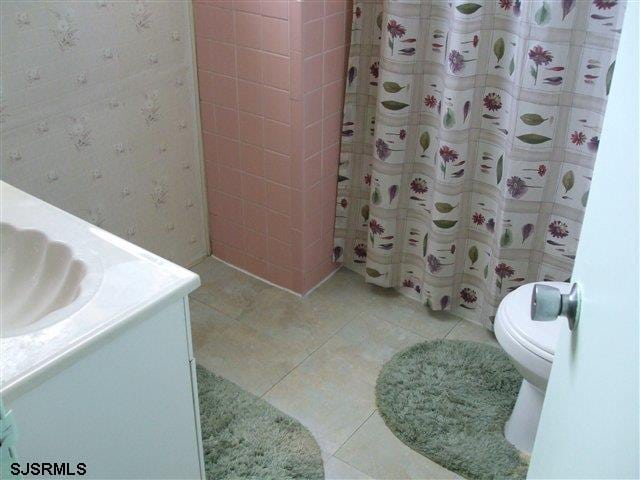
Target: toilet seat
point(531, 346)
point(539, 338)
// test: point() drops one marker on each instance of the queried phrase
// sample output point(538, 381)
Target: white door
point(589, 424)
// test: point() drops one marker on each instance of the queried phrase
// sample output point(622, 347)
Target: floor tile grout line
point(193, 299)
point(220, 312)
point(215, 310)
point(463, 321)
point(206, 305)
point(355, 317)
point(402, 327)
point(352, 466)
point(420, 334)
point(452, 328)
point(335, 454)
point(305, 358)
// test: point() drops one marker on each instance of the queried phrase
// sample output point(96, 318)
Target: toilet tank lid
point(517, 313)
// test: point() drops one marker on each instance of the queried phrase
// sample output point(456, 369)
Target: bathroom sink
point(42, 280)
point(67, 286)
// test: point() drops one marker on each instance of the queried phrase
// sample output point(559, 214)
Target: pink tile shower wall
point(271, 79)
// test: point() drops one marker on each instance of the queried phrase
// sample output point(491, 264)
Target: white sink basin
point(42, 281)
point(67, 285)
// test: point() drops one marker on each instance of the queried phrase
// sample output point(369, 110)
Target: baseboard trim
point(257, 277)
point(325, 279)
point(264, 280)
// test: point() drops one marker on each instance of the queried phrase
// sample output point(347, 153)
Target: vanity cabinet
point(125, 405)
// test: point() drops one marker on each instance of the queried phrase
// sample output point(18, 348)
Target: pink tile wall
point(271, 77)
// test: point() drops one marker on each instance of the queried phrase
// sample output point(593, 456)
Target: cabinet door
point(125, 409)
point(194, 384)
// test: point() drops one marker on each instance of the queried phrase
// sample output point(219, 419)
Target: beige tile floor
point(317, 359)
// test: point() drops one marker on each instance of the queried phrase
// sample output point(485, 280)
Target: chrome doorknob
point(547, 304)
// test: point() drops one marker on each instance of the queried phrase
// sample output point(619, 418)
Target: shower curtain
point(469, 136)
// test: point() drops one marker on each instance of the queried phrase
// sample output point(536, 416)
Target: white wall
point(98, 117)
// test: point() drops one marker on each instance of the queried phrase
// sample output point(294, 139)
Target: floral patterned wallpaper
point(98, 117)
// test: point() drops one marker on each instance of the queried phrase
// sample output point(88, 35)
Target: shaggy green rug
point(245, 437)
point(449, 400)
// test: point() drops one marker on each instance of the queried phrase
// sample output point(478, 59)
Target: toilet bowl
point(530, 345)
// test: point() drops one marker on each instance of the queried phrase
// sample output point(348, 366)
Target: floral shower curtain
point(469, 137)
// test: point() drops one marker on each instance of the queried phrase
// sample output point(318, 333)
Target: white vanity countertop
point(132, 282)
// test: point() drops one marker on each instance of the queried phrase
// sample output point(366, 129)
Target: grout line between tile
point(452, 328)
point(402, 327)
point(352, 466)
point(292, 369)
point(193, 299)
point(391, 322)
point(350, 437)
point(311, 353)
point(287, 374)
point(219, 312)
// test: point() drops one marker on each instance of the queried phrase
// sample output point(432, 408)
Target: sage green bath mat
point(449, 400)
point(245, 437)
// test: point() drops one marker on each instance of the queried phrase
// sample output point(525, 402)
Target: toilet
point(530, 345)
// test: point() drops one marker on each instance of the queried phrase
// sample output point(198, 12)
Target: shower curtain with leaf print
point(469, 136)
